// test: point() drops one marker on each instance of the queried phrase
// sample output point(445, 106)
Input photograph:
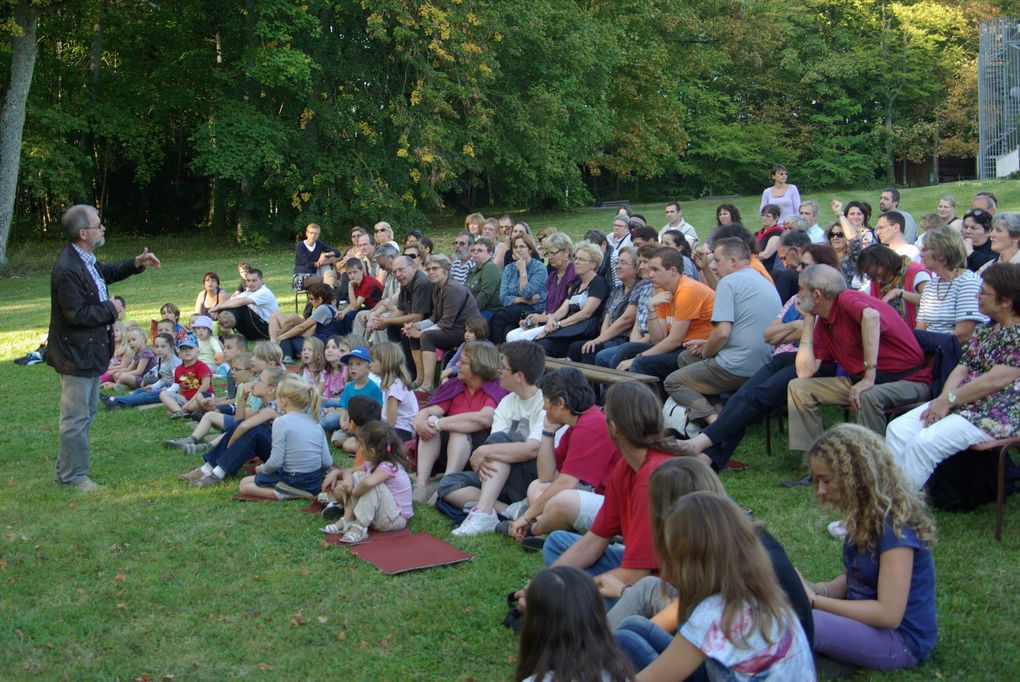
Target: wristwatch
point(951, 397)
point(434, 422)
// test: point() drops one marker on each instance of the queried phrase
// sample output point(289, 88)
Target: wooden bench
point(601, 375)
point(617, 203)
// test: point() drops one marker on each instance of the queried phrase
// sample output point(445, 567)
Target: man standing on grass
point(82, 314)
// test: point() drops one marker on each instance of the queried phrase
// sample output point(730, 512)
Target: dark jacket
point(81, 332)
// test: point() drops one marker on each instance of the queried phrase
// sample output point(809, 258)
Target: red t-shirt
point(586, 451)
point(370, 289)
point(464, 402)
point(625, 511)
point(188, 379)
point(838, 338)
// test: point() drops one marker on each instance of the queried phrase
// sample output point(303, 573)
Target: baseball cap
point(188, 340)
point(359, 352)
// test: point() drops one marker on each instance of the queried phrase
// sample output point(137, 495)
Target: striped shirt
point(89, 259)
point(943, 304)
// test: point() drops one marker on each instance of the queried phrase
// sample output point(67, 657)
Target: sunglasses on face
point(974, 213)
point(834, 235)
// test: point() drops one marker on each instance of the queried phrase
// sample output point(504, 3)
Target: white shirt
point(684, 227)
point(263, 301)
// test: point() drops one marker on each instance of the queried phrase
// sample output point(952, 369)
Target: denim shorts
point(310, 480)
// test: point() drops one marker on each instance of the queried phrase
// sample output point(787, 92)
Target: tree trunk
point(12, 117)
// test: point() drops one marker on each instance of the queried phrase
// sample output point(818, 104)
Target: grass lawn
point(149, 579)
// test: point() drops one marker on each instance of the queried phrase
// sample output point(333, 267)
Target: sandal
point(338, 528)
point(354, 535)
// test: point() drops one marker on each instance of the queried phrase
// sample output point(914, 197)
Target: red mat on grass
point(313, 508)
point(400, 551)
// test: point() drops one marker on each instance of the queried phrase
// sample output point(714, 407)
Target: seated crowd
point(430, 370)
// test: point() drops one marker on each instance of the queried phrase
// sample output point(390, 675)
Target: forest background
point(247, 119)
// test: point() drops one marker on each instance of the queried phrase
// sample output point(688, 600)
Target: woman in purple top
point(880, 611)
point(783, 194)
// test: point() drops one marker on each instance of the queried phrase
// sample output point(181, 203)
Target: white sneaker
point(514, 511)
point(477, 523)
point(837, 530)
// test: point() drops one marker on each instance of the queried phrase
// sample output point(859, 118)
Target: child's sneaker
point(476, 523)
point(515, 510)
point(332, 511)
point(285, 491)
point(196, 448)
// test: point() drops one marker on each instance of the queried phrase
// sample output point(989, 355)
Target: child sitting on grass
point(313, 361)
point(243, 439)
point(225, 323)
point(359, 383)
point(565, 635)
point(246, 404)
point(210, 351)
point(376, 495)
point(121, 357)
point(299, 452)
point(399, 403)
point(334, 376)
point(361, 410)
point(171, 312)
point(159, 376)
point(142, 358)
point(191, 378)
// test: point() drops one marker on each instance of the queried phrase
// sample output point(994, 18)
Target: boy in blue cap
point(358, 383)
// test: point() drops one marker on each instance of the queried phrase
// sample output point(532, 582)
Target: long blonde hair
point(390, 357)
point(870, 487)
point(122, 346)
point(708, 546)
point(296, 392)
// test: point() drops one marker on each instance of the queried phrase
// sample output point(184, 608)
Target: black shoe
point(799, 483)
point(533, 543)
point(332, 511)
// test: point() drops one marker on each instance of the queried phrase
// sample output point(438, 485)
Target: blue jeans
point(309, 480)
point(642, 640)
point(611, 357)
point(292, 346)
point(137, 397)
point(558, 542)
point(257, 442)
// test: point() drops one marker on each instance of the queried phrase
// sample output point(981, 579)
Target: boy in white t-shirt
point(504, 467)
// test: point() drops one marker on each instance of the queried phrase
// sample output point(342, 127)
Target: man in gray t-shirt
point(745, 304)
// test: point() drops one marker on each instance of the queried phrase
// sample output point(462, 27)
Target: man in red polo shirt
point(870, 342)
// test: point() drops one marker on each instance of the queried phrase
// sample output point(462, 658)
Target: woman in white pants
point(981, 398)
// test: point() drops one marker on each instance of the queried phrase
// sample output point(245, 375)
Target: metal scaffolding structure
point(998, 97)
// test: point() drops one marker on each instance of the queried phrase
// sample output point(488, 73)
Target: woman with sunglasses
point(850, 235)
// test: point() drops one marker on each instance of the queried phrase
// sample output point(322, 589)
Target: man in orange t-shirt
point(679, 312)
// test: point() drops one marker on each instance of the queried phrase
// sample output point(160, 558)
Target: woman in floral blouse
point(981, 397)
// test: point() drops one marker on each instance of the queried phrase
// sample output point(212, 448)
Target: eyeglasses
point(411, 255)
point(433, 268)
point(460, 243)
point(504, 368)
point(100, 226)
point(554, 253)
